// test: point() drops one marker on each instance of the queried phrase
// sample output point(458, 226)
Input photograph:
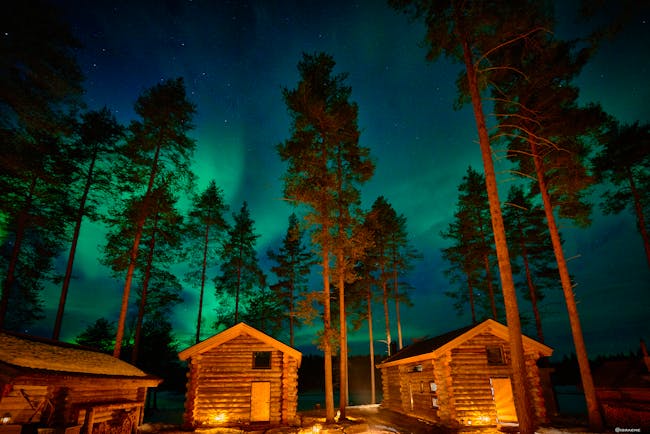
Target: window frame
point(262, 359)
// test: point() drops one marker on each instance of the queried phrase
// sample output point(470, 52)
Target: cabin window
point(261, 360)
point(494, 355)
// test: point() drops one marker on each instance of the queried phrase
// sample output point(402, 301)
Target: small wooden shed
point(57, 387)
point(461, 378)
point(241, 376)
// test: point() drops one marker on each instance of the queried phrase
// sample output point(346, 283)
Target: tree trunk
point(532, 291)
point(470, 288)
point(203, 269)
point(521, 398)
point(640, 218)
point(397, 314)
point(373, 395)
point(386, 313)
point(73, 248)
point(595, 418)
point(119, 336)
point(237, 289)
point(15, 251)
point(343, 338)
point(143, 296)
point(488, 276)
point(327, 329)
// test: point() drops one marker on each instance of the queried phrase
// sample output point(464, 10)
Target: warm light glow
point(6, 419)
point(220, 417)
point(316, 428)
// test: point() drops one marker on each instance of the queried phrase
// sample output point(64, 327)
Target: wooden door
point(261, 401)
point(503, 400)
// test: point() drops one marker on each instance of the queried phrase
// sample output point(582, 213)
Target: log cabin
point(462, 378)
point(241, 376)
point(50, 387)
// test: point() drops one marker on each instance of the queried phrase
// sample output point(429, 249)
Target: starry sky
point(236, 56)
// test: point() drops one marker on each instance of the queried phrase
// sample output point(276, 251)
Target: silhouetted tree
point(625, 164)
point(293, 265)
point(157, 147)
point(529, 241)
point(240, 272)
point(40, 88)
point(99, 335)
point(472, 249)
point(162, 240)
point(206, 225)
point(549, 137)
point(472, 33)
point(99, 133)
point(326, 166)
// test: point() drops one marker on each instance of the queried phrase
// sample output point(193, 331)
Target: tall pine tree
point(157, 150)
point(293, 261)
point(206, 224)
point(326, 166)
point(240, 272)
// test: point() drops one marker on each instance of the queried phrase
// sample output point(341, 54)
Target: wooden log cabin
point(50, 387)
point(241, 376)
point(461, 378)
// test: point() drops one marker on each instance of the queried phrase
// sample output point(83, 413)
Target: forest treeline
point(64, 166)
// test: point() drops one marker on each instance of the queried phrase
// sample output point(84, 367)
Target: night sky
point(237, 56)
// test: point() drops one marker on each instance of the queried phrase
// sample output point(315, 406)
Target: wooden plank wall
point(470, 374)
point(16, 404)
point(71, 404)
point(219, 383)
point(462, 378)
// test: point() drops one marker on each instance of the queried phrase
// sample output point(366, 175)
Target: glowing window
point(261, 360)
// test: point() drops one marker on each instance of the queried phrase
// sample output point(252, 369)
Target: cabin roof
point(438, 345)
point(234, 332)
point(33, 354)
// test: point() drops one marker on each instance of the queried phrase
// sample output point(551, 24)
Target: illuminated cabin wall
point(454, 389)
point(220, 382)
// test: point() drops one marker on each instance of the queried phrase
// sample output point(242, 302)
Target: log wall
point(220, 381)
point(95, 403)
point(462, 381)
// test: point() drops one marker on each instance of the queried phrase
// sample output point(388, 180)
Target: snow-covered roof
point(47, 356)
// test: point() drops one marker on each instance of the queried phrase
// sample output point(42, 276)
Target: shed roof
point(436, 346)
point(234, 332)
point(29, 354)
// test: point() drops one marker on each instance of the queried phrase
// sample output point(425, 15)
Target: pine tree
point(99, 133)
point(157, 150)
point(472, 250)
point(40, 88)
point(162, 241)
point(470, 33)
point(549, 137)
point(529, 241)
point(240, 272)
point(98, 335)
point(206, 225)
point(326, 166)
point(293, 265)
point(625, 164)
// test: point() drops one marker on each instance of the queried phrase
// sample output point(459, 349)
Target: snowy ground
point(361, 419)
